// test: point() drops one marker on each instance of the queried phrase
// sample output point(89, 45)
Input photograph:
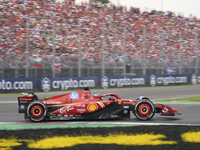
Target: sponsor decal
point(17, 85)
point(74, 95)
point(71, 83)
point(24, 102)
point(25, 99)
point(121, 82)
point(81, 110)
point(92, 107)
point(83, 95)
point(46, 84)
point(65, 110)
point(165, 110)
point(22, 106)
point(125, 111)
point(126, 107)
point(153, 80)
point(53, 103)
point(194, 79)
point(104, 82)
point(47, 98)
point(127, 103)
point(80, 105)
point(114, 116)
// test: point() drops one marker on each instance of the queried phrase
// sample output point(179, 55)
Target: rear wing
point(24, 101)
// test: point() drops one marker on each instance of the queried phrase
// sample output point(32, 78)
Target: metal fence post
point(144, 52)
point(27, 48)
point(53, 63)
point(163, 54)
point(44, 68)
point(1, 62)
point(124, 64)
point(196, 53)
point(16, 68)
point(180, 52)
point(79, 52)
point(102, 52)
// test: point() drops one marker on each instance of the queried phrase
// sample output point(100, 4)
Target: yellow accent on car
point(92, 107)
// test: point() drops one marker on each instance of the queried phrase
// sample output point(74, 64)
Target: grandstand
point(129, 40)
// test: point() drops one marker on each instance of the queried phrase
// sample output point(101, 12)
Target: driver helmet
point(112, 98)
point(97, 94)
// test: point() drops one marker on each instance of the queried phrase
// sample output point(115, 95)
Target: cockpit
point(105, 97)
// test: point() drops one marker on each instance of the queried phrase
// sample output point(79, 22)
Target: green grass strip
point(182, 100)
point(171, 102)
point(14, 126)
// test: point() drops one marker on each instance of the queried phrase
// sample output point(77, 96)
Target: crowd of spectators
point(84, 27)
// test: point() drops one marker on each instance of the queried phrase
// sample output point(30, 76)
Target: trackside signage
point(12, 85)
point(57, 84)
point(122, 81)
point(8, 85)
point(168, 80)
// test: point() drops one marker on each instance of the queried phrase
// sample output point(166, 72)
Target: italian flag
point(38, 62)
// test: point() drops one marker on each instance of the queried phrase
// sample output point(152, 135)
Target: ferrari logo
point(119, 102)
point(47, 98)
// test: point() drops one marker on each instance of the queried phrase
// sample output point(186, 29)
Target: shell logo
point(92, 107)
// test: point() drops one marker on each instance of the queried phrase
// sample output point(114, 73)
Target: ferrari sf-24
point(81, 105)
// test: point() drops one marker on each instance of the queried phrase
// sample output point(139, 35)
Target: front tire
point(144, 109)
point(37, 111)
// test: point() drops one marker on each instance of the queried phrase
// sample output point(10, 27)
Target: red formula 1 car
point(80, 105)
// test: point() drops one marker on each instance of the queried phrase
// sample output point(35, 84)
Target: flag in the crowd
point(38, 62)
point(58, 66)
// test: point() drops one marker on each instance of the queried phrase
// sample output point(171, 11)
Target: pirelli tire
point(37, 111)
point(144, 109)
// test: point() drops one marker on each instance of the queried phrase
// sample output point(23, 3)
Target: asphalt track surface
point(190, 112)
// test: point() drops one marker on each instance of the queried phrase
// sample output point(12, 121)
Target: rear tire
point(144, 109)
point(37, 111)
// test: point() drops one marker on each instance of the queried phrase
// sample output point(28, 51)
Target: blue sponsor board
point(163, 80)
point(123, 81)
point(14, 85)
point(60, 84)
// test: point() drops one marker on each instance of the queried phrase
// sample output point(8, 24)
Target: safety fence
point(70, 68)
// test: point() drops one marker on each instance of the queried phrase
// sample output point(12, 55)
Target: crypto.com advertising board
point(14, 85)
